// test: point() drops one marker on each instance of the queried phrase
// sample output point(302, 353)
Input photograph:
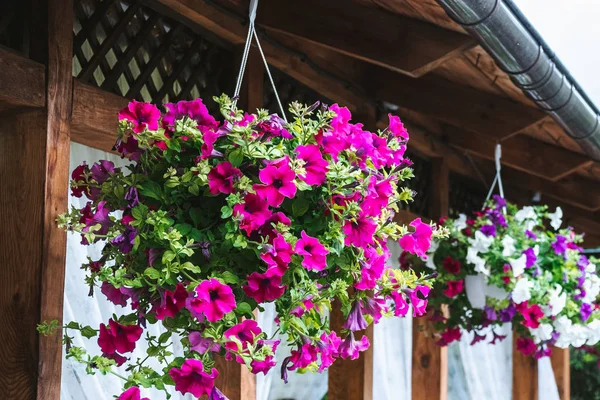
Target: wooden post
point(34, 176)
point(351, 379)
point(562, 372)
point(430, 361)
point(525, 374)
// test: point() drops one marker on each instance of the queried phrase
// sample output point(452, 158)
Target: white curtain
point(475, 372)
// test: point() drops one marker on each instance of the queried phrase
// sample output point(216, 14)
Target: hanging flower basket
point(514, 265)
point(211, 220)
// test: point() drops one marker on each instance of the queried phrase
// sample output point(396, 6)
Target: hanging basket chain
point(252, 34)
point(498, 177)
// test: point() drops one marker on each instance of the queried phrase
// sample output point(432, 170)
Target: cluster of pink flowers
point(217, 218)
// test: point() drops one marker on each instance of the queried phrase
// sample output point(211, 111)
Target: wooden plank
point(562, 372)
point(22, 82)
point(351, 379)
point(521, 152)
point(525, 375)
point(95, 111)
point(430, 361)
point(346, 27)
point(288, 61)
point(56, 189)
point(234, 380)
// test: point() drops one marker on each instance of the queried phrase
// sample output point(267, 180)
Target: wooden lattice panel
point(131, 50)
point(421, 185)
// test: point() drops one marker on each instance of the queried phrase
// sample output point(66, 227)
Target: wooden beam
point(290, 61)
point(562, 372)
point(430, 361)
point(22, 82)
point(521, 152)
point(351, 379)
point(347, 28)
point(234, 380)
point(59, 81)
point(525, 375)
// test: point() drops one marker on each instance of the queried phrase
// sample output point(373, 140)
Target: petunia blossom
point(453, 288)
point(356, 321)
point(201, 344)
point(278, 183)
point(401, 306)
point(245, 332)
point(214, 299)
point(117, 337)
point(171, 302)
point(359, 232)
point(351, 348)
point(141, 115)
point(315, 166)
point(417, 242)
point(253, 211)
point(191, 378)
point(133, 393)
point(313, 252)
point(451, 265)
point(526, 345)
point(264, 287)
point(221, 177)
point(418, 300)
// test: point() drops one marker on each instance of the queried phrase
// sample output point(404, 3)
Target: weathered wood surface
point(22, 82)
point(525, 375)
point(561, 366)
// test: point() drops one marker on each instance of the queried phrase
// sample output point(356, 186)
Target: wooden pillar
point(235, 381)
point(525, 375)
point(430, 361)
point(351, 379)
point(34, 176)
point(562, 372)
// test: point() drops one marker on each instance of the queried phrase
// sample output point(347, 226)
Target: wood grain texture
point(22, 148)
point(525, 375)
point(419, 47)
point(22, 82)
point(234, 380)
point(561, 366)
point(59, 91)
point(351, 379)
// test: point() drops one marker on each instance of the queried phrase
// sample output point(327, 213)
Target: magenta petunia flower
point(118, 338)
point(314, 164)
point(194, 109)
point(451, 265)
point(400, 304)
point(116, 357)
point(191, 378)
point(201, 344)
point(208, 147)
point(315, 254)
point(419, 241)
point(397, 127)
point(375, 308)
point(371, 269)
point(102, 170)
point(171, 302)
point(356, 321)
point(360, 232)
point(245, 332)
point(453, 288)
point(275, 126)
point(268, 228)
point(128, 147)
point(213, 299)
point(278, 183)
point(330, 349)
point(133, 393)
point(124, 242)
point(526, 345)
point(98, 220)
point(220, 178)
point(531, 258)
point(377, 198)
point(79, 176)
point(264, 287)
point(418, 300)
point(531, 314)
point(449, 336)
point(350, 348)
point(117, 296)
point(254, 212)
point(278, 256)
point(304, 356)
point(141, 115)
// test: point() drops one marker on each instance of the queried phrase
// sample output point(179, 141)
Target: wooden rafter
point(412, 47)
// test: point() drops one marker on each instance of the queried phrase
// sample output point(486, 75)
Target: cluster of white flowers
point(575, 335)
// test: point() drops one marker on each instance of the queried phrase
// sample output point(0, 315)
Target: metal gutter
point(506, 34)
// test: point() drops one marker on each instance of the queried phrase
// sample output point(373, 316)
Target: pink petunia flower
point(418, 300)
point(314, 164)
point(531, 314)
point(378, 197)
point(269, 362)
point(401, 305)
point(213, 299)
point(360, 232)
point(141, 115)
point(194, 109)
point(315, 254)
point(278, 256)
point(264, 287)
point(453, 288)
point(397, 127)
point(200, 344)
point(350, 348)
point(99, 220)
point(278, 183)
point(191, 378)
point(172, 302)
point(118, 296)
point(304, 356)
point(330, 349)
point(275, 126)
point(526, 345)
point(133, 393)
point(118, 338)
point(371, 269)
point(254, 212)
point(449, 336)
point(419, 241)
point(220, 178)
point(245, 332)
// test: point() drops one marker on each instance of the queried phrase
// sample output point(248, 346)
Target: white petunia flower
point(591, 285)
point(579, 334)
point(526, 212)
point(563, 325)
point(591, 267)
point(481, 243)
point(461, 222)
point(556, 218)
point(557, 300)
point(522, 290)
point(509, 246)
point(478, 262)
point(593, 332)
point(518, 265)
point(541, 333)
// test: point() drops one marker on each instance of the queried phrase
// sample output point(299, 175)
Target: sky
point(572, 29)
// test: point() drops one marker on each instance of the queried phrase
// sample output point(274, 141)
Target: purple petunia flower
point(560, 246)
point(530, 235)
point(586, 311)
point(125, 240)
point(489, 230)
point(507, 314)
point(531, 258)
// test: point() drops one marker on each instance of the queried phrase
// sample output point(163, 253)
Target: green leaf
point(236, 157)
point(152, 273)
point(139, 212)
point(73, 325)
point(163, 338)
point(196, 215)
point(188, 266)
point(88, 332)
point(300, 207)
point(243, 308)
point(226, 212)
point(168, 256)
point(151, 189)
point(184, 229)
point(229, 277)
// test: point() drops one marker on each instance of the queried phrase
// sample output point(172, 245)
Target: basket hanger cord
point(498, 177)
point(249, 37)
